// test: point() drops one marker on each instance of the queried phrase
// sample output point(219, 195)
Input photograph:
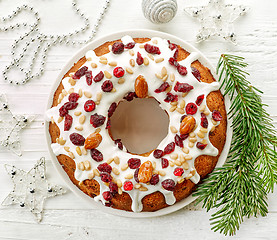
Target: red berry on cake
point(104, 167)
point(169, 148)
point(118, 72)
point(107, 196)
point(134, 163)
point(98, 77)
point(168, 184)
point(77, 139)
point(107, 86)
point(178, 171)
point(191, 108)
point(158, 153)
point(128, 186)
point(96, 155)
point(73, 97)
point(106, 177)
point(216, 115)
point(117, 47)
point(199, 100)
point(67, 122)
point(79, 73)
point(154, 179)
point(89, 105)
point(97, 120)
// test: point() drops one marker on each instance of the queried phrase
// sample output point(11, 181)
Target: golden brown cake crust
point(204, 164)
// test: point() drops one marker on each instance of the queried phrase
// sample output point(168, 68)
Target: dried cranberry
point(118, 47)
point(108, 125)
point(81, 72)
point(119, 143)
point(204, 121)
point(164, 162)
point(168, 184)
point(200, 145)
point(96, 155)
point(112, 109)
point(107, 196)
point(136, 175)
point(113, 188)
point(184, 136)
point(182, 87)
point(139, 59)
point(130, 96)
point(182, 70)
point(70, 105)
point(73, 97)
point(104, 167)
point(172, 61)
point(108, 204)
point(216, 115)
point(63, 111)
point(196, 73)
point(158, 153)
point(162, 88)
point(154, 179)
point(171, 97)
point(151, 49)
point(118, 72)
point(128, 186)
point(77, 139)
point(178, 141)
point(67, 122)
point(134, 163)
point(199, 100)
point(98, 77)
point(171, 46)
point(191, 108)
point(106, 177)
point(89, 105)
point(169, 148)
point(178, 171)
point(89, 77)
point(97, 120)
point(130, 45)
point(175, 55)
point(107, 86)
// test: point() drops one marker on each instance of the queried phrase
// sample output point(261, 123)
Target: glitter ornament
point(34, 44)
point(10, 125)
point(31, 188)
point(217, 19)
point(159, 11)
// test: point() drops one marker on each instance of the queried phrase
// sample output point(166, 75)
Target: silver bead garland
point(35, 36)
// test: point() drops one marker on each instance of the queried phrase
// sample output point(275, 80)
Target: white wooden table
point(67, 217)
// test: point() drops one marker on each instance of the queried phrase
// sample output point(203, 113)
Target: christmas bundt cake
point(124, 70)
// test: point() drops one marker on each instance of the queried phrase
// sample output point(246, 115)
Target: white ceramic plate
point(97, 42)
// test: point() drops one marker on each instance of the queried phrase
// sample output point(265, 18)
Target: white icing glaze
point(107, 146)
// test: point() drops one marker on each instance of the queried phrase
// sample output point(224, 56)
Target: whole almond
point(187, 125)
point(145, 172)
point(93, 141)
point(141, 87)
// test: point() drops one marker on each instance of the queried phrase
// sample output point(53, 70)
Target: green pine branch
point(239, 189)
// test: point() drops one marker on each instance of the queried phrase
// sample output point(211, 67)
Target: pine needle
point(239, 189)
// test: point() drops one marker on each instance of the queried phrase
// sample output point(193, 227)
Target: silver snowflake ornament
point(217, 19)
point(31, 188)
point(10, 125)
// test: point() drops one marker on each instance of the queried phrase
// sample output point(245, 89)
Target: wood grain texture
point(67, 217)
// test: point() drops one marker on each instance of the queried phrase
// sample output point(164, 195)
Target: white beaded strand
point(50, 40)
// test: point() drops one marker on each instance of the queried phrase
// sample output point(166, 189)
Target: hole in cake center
point(140, 124)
